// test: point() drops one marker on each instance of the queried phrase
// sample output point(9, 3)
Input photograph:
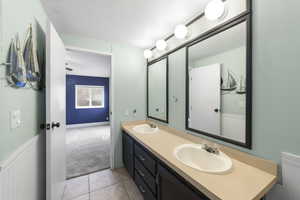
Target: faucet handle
point(153, 125)
point(211, 149)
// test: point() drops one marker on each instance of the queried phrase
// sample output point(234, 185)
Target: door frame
point(111, 99)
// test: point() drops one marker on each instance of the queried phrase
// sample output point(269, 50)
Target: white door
point(55, 113)
point(205, 94)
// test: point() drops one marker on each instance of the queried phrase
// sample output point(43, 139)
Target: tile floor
point(88, 150)
point(104, 185)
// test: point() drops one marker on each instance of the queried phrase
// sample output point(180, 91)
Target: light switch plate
point(15, 119)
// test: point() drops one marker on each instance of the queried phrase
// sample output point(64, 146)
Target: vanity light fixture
point(148, 53)
point(181, 31)
point(215, 10)
point(161, 45)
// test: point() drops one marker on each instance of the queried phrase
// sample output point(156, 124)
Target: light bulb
point(161, 45)
point(148, 53)
point(181, 31)
point(214, 9)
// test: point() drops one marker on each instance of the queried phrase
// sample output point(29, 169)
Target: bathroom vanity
point(153, 177)
point(158, 174)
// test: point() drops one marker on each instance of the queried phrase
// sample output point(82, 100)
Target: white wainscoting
point(234, 126)
point(22, 175)
point(290, 190)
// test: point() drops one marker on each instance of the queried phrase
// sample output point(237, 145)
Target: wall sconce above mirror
point(219, 83)
point(157, 90)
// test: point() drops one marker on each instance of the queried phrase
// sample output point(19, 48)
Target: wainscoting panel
point(290, 178)
point(22, 175)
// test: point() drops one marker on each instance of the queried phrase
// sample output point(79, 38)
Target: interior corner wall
point(128, 83)
point(15, 17)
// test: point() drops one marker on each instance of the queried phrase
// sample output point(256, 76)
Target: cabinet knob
point(142, 189)
point(157, 178)
point(141, 173)
point(142, 158)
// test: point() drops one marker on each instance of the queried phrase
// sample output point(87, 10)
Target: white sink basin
point(193, 155)
point(145, 129)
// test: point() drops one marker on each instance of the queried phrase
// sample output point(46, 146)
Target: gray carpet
point(88, 150)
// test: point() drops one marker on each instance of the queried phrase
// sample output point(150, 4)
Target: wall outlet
point(15, 119)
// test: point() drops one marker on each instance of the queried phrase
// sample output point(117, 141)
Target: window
point(87, 96)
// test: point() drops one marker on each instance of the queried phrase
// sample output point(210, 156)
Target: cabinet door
point(128, 156)
point(171, 188)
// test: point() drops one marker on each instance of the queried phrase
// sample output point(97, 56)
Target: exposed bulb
point(181, 31)
point(215, 10)
point(161, 45)
point(148, 53)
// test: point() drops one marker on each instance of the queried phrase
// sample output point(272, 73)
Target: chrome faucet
point(210, 149)
point(152, 125)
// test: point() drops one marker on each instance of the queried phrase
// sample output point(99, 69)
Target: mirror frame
point(167, 89)
point(209, 34)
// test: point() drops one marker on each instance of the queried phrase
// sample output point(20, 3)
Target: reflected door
point(205, 95)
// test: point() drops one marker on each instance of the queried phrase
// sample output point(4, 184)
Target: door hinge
point(45, 126)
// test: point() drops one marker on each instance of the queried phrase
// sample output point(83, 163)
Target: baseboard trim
point(87, 125)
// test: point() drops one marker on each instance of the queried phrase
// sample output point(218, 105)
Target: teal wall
point(276, 87)
point(15, 16)
point(128, 82)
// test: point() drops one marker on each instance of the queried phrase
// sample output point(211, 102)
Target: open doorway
point(88, 133)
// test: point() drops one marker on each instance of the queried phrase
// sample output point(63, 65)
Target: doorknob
point(216, 110)
point(55, 125)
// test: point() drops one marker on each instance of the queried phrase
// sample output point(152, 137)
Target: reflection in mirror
point(158, 90)
point(217, 84)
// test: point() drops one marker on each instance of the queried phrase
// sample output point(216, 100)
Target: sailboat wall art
point(229, 83)
point(23, 70)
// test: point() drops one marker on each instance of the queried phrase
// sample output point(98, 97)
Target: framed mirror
point(157, 90)
point(219, 81)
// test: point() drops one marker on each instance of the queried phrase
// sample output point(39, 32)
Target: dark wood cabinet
point(173, 187)
point(154, 179)
point(128, 154)
point(143, 187)
point(145, 158)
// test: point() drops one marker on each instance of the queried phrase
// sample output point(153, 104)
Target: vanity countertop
point(250, 178)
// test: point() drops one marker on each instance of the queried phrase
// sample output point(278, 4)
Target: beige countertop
point(250, 178)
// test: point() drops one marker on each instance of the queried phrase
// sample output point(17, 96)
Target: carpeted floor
point(88, 150)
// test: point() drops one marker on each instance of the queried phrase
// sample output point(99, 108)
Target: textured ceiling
point(136, 22)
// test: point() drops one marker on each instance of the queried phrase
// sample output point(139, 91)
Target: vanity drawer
point(145, 175)
point(145, 158)
point(143, 188)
